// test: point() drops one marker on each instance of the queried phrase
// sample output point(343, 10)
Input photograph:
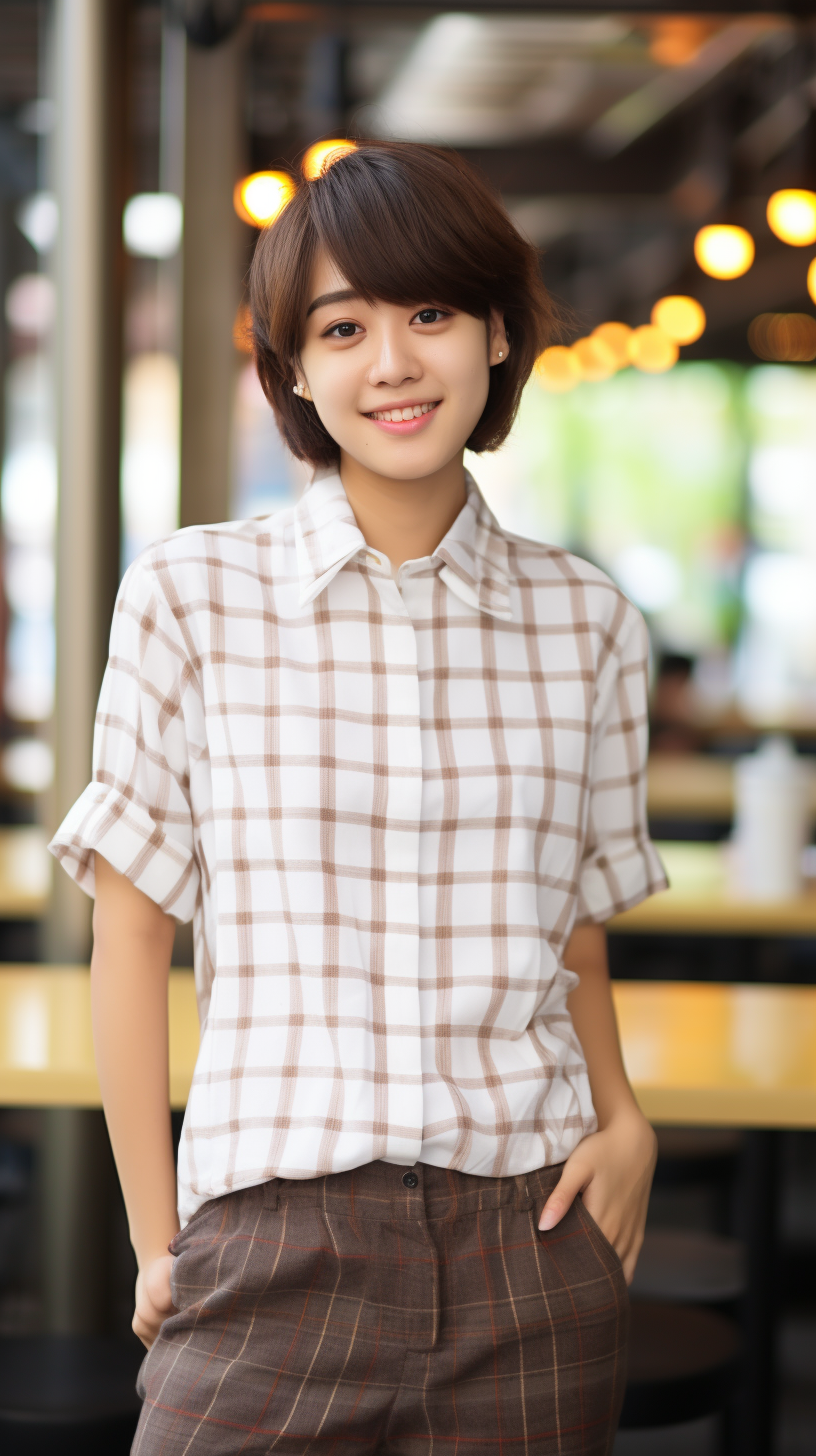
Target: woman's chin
point(402, 459)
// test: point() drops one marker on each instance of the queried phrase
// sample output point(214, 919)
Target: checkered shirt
point(385, 803)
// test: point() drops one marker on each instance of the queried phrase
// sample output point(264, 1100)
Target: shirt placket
point(401, 859)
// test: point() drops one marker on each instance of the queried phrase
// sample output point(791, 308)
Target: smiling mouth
point(399, 416)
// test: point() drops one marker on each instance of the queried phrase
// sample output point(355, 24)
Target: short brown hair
point(404, 223)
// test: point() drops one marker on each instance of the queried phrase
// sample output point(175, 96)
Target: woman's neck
point(404, 519)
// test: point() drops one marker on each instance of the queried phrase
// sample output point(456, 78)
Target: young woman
point(390, 759)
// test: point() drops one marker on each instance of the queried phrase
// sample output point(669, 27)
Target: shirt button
point(410, 1179)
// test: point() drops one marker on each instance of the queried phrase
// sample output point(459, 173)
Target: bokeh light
point(31, 304)
point(615, 337)
point(152, 224)
point(651, 350)
point(811, 279)
point(792, 216)
point(595, 359)
point(323, 154)
point(558, 369)
point(681, 318)
point(724, 251)
point(676, 39)
point(260, 198)
point(788, 338)
point(242, 330)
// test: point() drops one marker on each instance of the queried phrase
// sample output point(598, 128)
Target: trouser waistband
point(379, 1190)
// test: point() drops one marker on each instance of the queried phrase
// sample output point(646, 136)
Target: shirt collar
point(473, 553)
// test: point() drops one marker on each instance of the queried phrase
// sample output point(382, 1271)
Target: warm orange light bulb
point(615, 337)
point(557, 369)
point(323, 155)
point(724, 251)
point(261, 197)
point(811, 280)
point(682, 319)
point(784, 337)
point(791, 215)
point(595, 359)
point(651, 350)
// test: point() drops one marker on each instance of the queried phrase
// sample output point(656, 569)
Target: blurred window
point(642, 474)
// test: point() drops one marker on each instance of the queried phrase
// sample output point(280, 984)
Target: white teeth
point(411, 412)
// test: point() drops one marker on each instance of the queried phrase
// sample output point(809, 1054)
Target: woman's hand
point(154, 1301)
point(612, 1170)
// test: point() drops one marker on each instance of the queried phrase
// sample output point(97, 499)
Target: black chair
point(75, 1395)
point(683, 1364)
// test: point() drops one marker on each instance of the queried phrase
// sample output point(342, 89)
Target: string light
point(783, 337)
point(595, 359)
point(724, 251)
point(791, 215)
point(557, 369)
point(681, 318)
point(614, 337)
point(260, 198)
point(323, 155)
point(652, 351)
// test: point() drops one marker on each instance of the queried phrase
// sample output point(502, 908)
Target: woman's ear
point(498, 346)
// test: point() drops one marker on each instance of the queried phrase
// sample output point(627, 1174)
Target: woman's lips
point(404, 427)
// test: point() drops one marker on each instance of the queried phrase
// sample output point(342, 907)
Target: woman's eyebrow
point(341, 295)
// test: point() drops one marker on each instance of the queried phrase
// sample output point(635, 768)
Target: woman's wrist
point(148, 1253)
point(624, 1113)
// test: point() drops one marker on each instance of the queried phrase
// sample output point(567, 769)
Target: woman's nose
point(394, 362)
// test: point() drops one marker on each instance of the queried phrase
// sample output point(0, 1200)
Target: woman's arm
point(612, 1168)
point(133, 946)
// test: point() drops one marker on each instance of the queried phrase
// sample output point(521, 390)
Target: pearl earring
point(501, 353)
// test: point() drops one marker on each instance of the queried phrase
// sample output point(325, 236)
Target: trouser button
point(410, 1179)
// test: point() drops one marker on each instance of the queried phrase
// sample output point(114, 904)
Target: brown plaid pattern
point(351, 1314)
point(385, 803)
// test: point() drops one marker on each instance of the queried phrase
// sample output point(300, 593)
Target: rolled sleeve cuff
point(613, 882)
point(123, 832)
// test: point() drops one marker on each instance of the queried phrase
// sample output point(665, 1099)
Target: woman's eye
point(344, 331)
point(430, 315)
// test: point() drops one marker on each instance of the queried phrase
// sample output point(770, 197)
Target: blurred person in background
point(389, 758)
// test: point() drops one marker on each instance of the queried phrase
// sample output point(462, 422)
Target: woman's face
point(399, 387)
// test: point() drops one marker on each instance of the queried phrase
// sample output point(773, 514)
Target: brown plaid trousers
point(351, 1313)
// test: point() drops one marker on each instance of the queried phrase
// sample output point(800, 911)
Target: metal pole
point(88, 384)
point(89, 70)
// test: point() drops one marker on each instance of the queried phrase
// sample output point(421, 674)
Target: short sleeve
point(620, 866)
point(136, 809)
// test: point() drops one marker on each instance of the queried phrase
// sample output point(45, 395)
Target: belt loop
point(271, 1188)
point(524, 1198)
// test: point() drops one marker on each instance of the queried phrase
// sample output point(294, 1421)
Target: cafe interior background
point(664, 163)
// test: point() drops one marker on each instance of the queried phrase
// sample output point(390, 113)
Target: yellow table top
point(717, 1055)
point(701, 901)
